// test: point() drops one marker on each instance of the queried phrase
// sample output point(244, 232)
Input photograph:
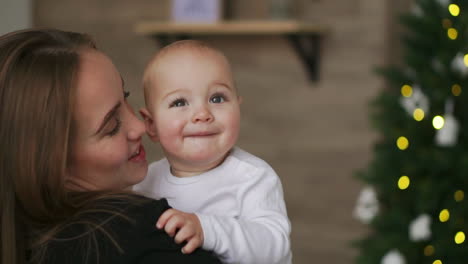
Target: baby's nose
point(202, 115)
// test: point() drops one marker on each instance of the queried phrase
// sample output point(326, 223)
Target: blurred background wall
point(316, 135)
point(15, 14)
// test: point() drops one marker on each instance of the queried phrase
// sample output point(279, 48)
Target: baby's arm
point(261, 233)
point(183, 227)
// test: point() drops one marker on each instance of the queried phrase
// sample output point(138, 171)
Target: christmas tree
point(414, 195)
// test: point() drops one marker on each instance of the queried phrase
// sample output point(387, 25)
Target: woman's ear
point(149, 124)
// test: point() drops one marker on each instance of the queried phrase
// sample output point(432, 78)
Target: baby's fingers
point(173, 224)
point(184, 234)
point(192, 244)
point(164, 218)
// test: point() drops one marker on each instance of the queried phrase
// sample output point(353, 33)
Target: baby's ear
point(149, 124)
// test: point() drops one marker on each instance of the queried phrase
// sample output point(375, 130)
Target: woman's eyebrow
point(108, 117)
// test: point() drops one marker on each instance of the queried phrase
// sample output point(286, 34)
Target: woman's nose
point(135, 127)
point(202, 114)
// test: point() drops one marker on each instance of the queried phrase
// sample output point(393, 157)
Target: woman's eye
point(178, 103)
point(217, 99)
point(116, 127)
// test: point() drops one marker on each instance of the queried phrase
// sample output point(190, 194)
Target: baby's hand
point(185, 227)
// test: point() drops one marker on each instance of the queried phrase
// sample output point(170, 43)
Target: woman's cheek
point(118, 151)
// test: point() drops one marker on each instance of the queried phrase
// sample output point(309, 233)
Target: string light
point(437, 261)
point(465, 60)
point(444, 215)
point(438, 122)
point(429, 250)
point(456, 89)
point(460, 237)
point(418, 114)
point(406, 90)
point(447, 23)
point(403, 182)
point(454, 10)
point(459, 196)
point(452, 33)
point(402, 143)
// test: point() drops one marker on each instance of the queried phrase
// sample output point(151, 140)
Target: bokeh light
point(444, 215)
point(456, 89)
point(402, 143)
point(459, 196)
point(454, 9)
point(460, 237)
point(429, 250)
point(406, 90)
point(447, 23)
point(403, 182)
point(438, 122)
point(452, 33)
point(418, 114)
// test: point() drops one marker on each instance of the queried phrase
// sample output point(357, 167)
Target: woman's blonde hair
point(38, 71)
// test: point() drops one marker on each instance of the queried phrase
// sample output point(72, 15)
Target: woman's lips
point(140, 155)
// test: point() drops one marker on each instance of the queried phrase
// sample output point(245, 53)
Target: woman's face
point(106, 153)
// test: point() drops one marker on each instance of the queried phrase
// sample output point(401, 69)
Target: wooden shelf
point(228, 28)
point(304, 37)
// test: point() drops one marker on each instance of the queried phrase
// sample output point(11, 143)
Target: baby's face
point(195, 108)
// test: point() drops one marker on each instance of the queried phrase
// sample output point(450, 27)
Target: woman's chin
point(139, 173)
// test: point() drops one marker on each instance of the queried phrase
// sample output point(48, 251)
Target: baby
point(226, 200)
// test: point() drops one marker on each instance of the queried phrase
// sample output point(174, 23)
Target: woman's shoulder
point(105, 231)
point(118, 230)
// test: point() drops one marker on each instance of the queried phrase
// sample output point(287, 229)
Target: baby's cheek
point(172, 128)
point(233, 124)
point(170, 135)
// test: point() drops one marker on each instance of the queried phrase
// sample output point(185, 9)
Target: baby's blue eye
point(178, 103)
point(217, 99)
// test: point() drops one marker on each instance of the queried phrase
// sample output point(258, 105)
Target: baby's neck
point(183, 173)
point(187, 169)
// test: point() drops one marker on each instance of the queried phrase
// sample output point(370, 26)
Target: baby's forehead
point(187, 51)
point(174, 55)
point(171, 58)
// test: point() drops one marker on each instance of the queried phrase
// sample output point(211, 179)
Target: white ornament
point(420, 228)
point(444, 3)
point(417, 11)
point(447, 136)
point(417, 100)
point(458, 64)
point(367, 205)
point(393, 257)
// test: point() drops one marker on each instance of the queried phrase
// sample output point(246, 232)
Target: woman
point(70, 147)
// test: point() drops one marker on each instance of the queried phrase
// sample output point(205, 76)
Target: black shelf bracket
point(307, 47)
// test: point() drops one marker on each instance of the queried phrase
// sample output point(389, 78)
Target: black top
point(138, 240)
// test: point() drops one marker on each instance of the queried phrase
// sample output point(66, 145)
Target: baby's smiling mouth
point(201, 134)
